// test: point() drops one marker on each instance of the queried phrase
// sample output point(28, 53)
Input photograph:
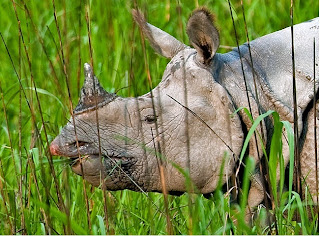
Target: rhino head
point(185, 123)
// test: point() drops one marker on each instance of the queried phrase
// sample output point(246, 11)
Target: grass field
point(46, 45)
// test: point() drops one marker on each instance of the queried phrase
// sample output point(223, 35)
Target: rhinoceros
point(188, 122)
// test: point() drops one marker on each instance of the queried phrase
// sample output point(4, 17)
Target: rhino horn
point(92, 94)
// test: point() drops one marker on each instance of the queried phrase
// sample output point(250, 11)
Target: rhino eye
point(150, 119)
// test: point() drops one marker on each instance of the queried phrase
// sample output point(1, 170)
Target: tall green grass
point(29, 198)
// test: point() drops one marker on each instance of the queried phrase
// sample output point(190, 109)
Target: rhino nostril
point(80, 143)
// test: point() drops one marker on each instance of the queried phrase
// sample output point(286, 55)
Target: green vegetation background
point(119, 64)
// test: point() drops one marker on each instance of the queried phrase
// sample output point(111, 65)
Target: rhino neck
point(272, 70)
point(240, 86)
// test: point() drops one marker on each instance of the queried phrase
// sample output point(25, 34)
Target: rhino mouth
point(86, 160)
point(93, 163)
point(112, 165)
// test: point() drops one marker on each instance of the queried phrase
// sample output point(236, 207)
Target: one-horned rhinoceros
point(186, 122)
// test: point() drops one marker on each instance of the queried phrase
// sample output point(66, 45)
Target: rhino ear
point(203, 36)
point(92, 94)
point(162, 42)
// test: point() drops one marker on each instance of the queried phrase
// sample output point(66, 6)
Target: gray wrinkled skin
point(130, 129)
